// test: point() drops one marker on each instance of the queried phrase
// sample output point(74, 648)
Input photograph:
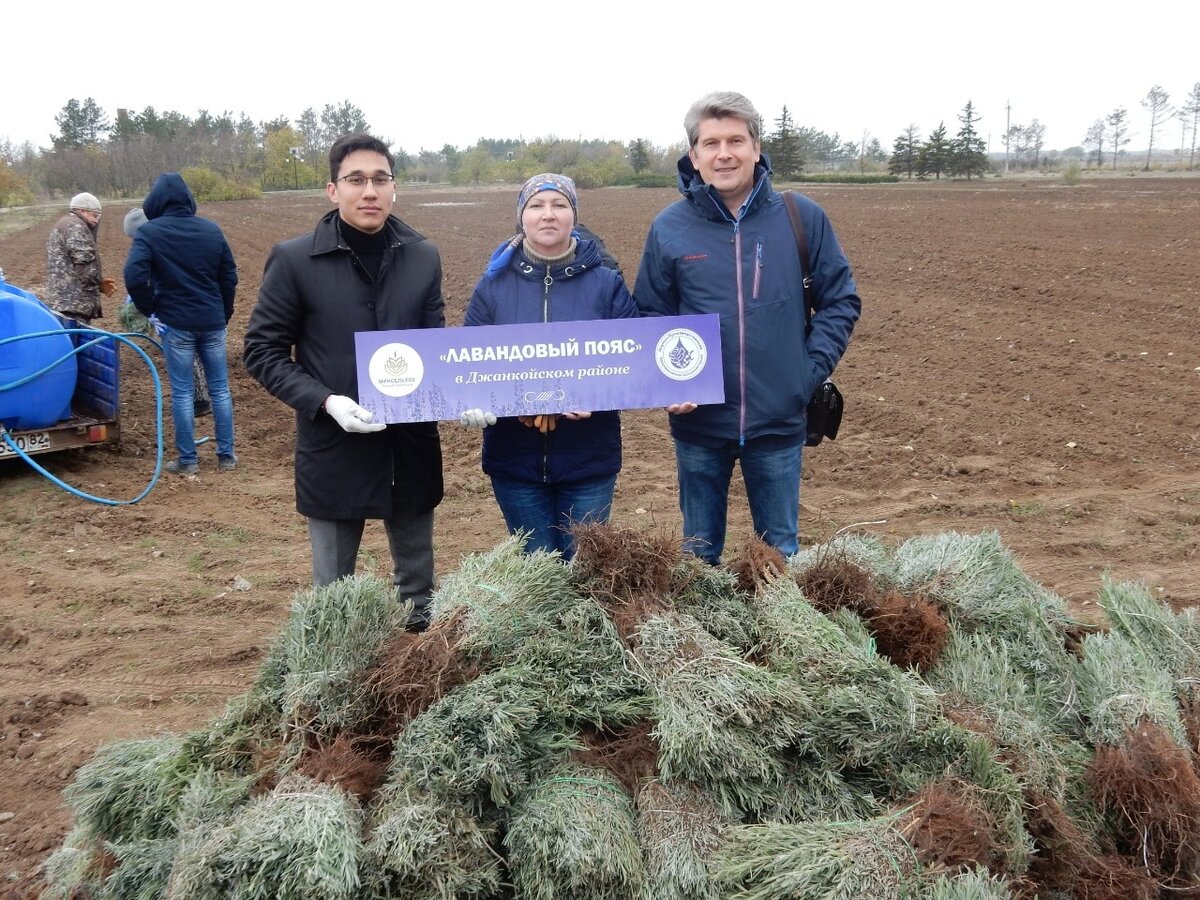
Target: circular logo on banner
point(396, 370)
point(680, 354)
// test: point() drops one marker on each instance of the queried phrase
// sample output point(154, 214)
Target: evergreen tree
point(906, 151)
point(934, 157)
point(79, 124)
point(343, 119)
point(639, 155)
point(968, 154)
point(126, 127)
point(783, 146)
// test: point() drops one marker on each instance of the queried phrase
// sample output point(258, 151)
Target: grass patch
point(230, 536)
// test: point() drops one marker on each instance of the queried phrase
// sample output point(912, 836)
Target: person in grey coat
point(361, 269)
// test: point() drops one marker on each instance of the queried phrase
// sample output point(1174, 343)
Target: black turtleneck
point(368, 248)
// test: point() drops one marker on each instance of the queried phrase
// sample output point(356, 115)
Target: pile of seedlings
point(856, 721)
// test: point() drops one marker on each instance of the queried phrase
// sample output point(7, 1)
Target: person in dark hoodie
point(549, 472)
point(153, 327)
point(728, 248)
point(360, 269)
point(180, 269)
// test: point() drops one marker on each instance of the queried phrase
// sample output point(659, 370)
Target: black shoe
point(201, 408)
point(175, 467)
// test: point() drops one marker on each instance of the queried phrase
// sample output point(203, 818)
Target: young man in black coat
point(361, 269)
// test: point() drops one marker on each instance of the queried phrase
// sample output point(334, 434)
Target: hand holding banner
point(430, 374)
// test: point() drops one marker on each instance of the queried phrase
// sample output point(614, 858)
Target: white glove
point(352, 417)
point(477, 418)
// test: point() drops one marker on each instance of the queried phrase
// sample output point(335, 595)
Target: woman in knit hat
point(551, 471)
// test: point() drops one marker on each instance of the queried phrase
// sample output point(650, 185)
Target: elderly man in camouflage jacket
point(74, 281)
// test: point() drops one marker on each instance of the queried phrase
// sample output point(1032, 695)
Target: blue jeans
point(182, 349)
point(547, 511)
point(771, 472)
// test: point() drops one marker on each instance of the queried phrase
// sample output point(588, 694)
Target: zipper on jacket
point(758, 266)
point(741, 307)
point(546, 282)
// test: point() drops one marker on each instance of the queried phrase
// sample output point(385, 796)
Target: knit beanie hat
point(547, 181)
point(134, 219)
point(85, 201)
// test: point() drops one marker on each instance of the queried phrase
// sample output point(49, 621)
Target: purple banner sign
point(428, 374)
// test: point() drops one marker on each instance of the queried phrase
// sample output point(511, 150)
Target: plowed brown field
point(1028, 361)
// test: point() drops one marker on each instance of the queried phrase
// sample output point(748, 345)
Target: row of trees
point(1112, 132)
point(121, 156)
point(963, 155)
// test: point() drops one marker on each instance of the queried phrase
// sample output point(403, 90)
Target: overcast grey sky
point(428, 74)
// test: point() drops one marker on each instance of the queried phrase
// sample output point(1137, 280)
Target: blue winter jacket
point(524, 292)
point(180, 267)
point(699, 259)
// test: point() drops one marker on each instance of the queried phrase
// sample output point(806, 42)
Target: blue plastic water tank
point(47, 398)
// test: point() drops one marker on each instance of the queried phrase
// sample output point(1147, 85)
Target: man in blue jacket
point(728, 248)
point(180, 269)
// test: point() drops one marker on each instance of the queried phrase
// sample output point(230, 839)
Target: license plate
point(29, 441)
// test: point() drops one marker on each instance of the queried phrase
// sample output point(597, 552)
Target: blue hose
point(158, 399)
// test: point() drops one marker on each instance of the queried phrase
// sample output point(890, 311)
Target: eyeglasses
point(358, 180)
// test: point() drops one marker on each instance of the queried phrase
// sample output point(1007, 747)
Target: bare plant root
point(948, 826)
point(835, 583)
point(630, 755)
point(1149, 786)
point(756, 565)
point(1066, 861)
point(416, 670)
point(626, 571)
point(355, 766)
point(910, 631)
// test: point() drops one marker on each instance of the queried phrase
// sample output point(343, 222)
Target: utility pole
point(295, 152)
point(1007, 131)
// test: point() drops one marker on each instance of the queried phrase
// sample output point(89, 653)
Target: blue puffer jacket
point(180, 267)
point(699, 259)
point(518, 294)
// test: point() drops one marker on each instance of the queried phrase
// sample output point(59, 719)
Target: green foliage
point(720, 720)
point(783, 147)
point(599, 173)
point(1072, 173)
point(680, 828)
point(129, 790)
point(428, 848)
point(831, 860)
point(345, 118)
point(968, 153)
point(143, 869)
point(14, 190)
point(639, 155)
point(207, 186)
point(333, 634)
point(763, 710)
point(481, 743)
point(302, 841)
point(846, 178)
point(573, 835)
point(1120, 685)
point(1033, 730)
point(80, 124)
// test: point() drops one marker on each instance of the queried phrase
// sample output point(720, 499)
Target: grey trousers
point(335, 544)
